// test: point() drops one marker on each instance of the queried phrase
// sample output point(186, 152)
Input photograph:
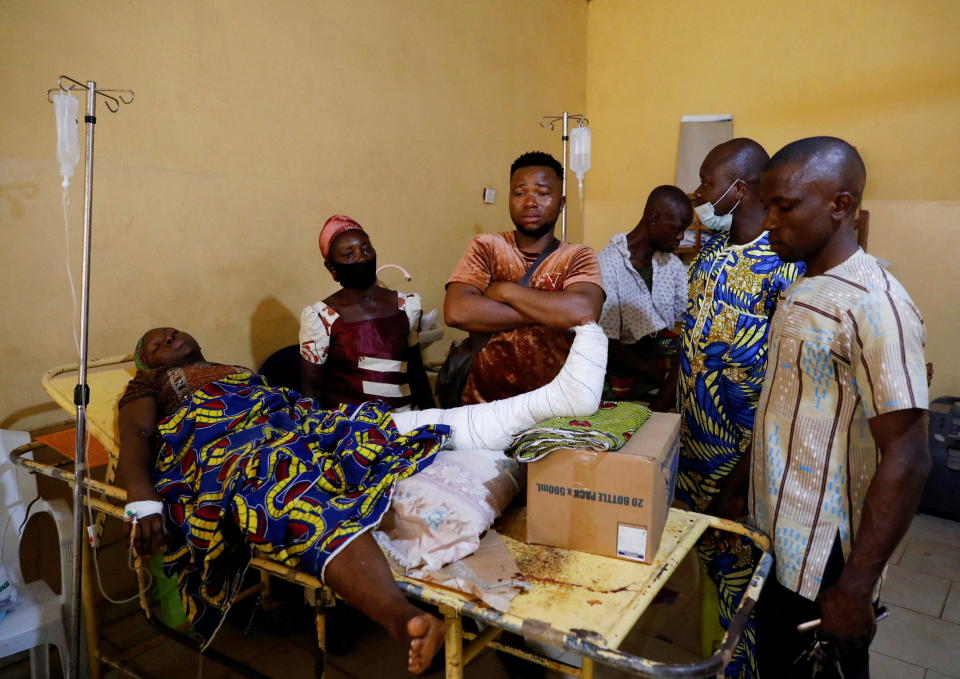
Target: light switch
point(489, 196)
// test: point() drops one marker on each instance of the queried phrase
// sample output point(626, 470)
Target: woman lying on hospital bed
point(242, 468)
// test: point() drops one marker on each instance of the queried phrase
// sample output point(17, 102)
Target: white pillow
point(438, 515)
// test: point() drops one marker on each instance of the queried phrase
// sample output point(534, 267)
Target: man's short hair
point(668, 193)
point(826, 155)
point(537, 159)
point(746, 159)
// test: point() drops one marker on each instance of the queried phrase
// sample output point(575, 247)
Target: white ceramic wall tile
point(919, 640)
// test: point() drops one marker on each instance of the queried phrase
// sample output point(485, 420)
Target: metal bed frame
point(576, 602)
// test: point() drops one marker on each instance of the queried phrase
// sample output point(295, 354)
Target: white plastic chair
point(38, 620)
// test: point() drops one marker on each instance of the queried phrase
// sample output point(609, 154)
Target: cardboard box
point(612, 503)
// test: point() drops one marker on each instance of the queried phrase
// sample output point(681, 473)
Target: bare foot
point(426, 636)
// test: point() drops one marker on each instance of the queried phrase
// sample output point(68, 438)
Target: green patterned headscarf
point(139, 359)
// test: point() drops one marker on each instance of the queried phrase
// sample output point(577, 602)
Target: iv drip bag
point(580, 151)
point(68, 143)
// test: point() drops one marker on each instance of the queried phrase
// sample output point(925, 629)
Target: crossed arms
point(506, 306)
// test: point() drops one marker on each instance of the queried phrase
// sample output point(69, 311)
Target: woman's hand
point(138, 421)
point(149, 534)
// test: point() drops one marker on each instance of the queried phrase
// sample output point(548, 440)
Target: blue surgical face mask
point(715, 222)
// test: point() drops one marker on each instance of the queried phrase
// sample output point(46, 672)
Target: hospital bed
point(576, 602)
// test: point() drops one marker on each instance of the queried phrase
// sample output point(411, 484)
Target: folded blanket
point(607, 429)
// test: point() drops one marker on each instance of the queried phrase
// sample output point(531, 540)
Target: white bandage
point(133, 511)
point(575, 391)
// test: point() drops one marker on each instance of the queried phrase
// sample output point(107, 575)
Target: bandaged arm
point(138, 422)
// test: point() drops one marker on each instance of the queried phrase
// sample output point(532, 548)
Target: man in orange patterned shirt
point(529, 324)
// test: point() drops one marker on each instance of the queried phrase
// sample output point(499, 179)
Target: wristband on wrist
point(142, 508)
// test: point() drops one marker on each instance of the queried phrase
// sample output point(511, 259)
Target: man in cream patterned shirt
point(839, 455)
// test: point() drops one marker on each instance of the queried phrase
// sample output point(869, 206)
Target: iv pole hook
point(112, 102)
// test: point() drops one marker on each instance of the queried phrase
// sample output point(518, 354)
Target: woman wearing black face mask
point(361, 343)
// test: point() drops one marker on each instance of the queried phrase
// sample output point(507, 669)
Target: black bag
point(452, 377)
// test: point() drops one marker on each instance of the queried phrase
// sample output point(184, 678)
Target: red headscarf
point(332, 228)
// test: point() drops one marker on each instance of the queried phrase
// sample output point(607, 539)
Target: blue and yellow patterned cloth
point(723, 356)
point(733, 292)
point(245, 468)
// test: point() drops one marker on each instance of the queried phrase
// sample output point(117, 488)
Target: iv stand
point(551, 121)
point(81, 393)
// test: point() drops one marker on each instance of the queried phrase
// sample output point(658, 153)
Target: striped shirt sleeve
point(887, 343)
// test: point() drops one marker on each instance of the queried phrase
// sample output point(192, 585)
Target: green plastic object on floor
point(165, 593)
point(711, 631)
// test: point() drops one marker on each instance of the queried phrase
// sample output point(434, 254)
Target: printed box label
point(631, 541)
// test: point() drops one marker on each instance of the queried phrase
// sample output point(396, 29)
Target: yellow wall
point(254, 122)
point(883, 75)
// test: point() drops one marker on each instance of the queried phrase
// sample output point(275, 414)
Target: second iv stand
point(550, 122)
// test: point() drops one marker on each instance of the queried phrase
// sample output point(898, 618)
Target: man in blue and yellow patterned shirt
point(734, 284)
